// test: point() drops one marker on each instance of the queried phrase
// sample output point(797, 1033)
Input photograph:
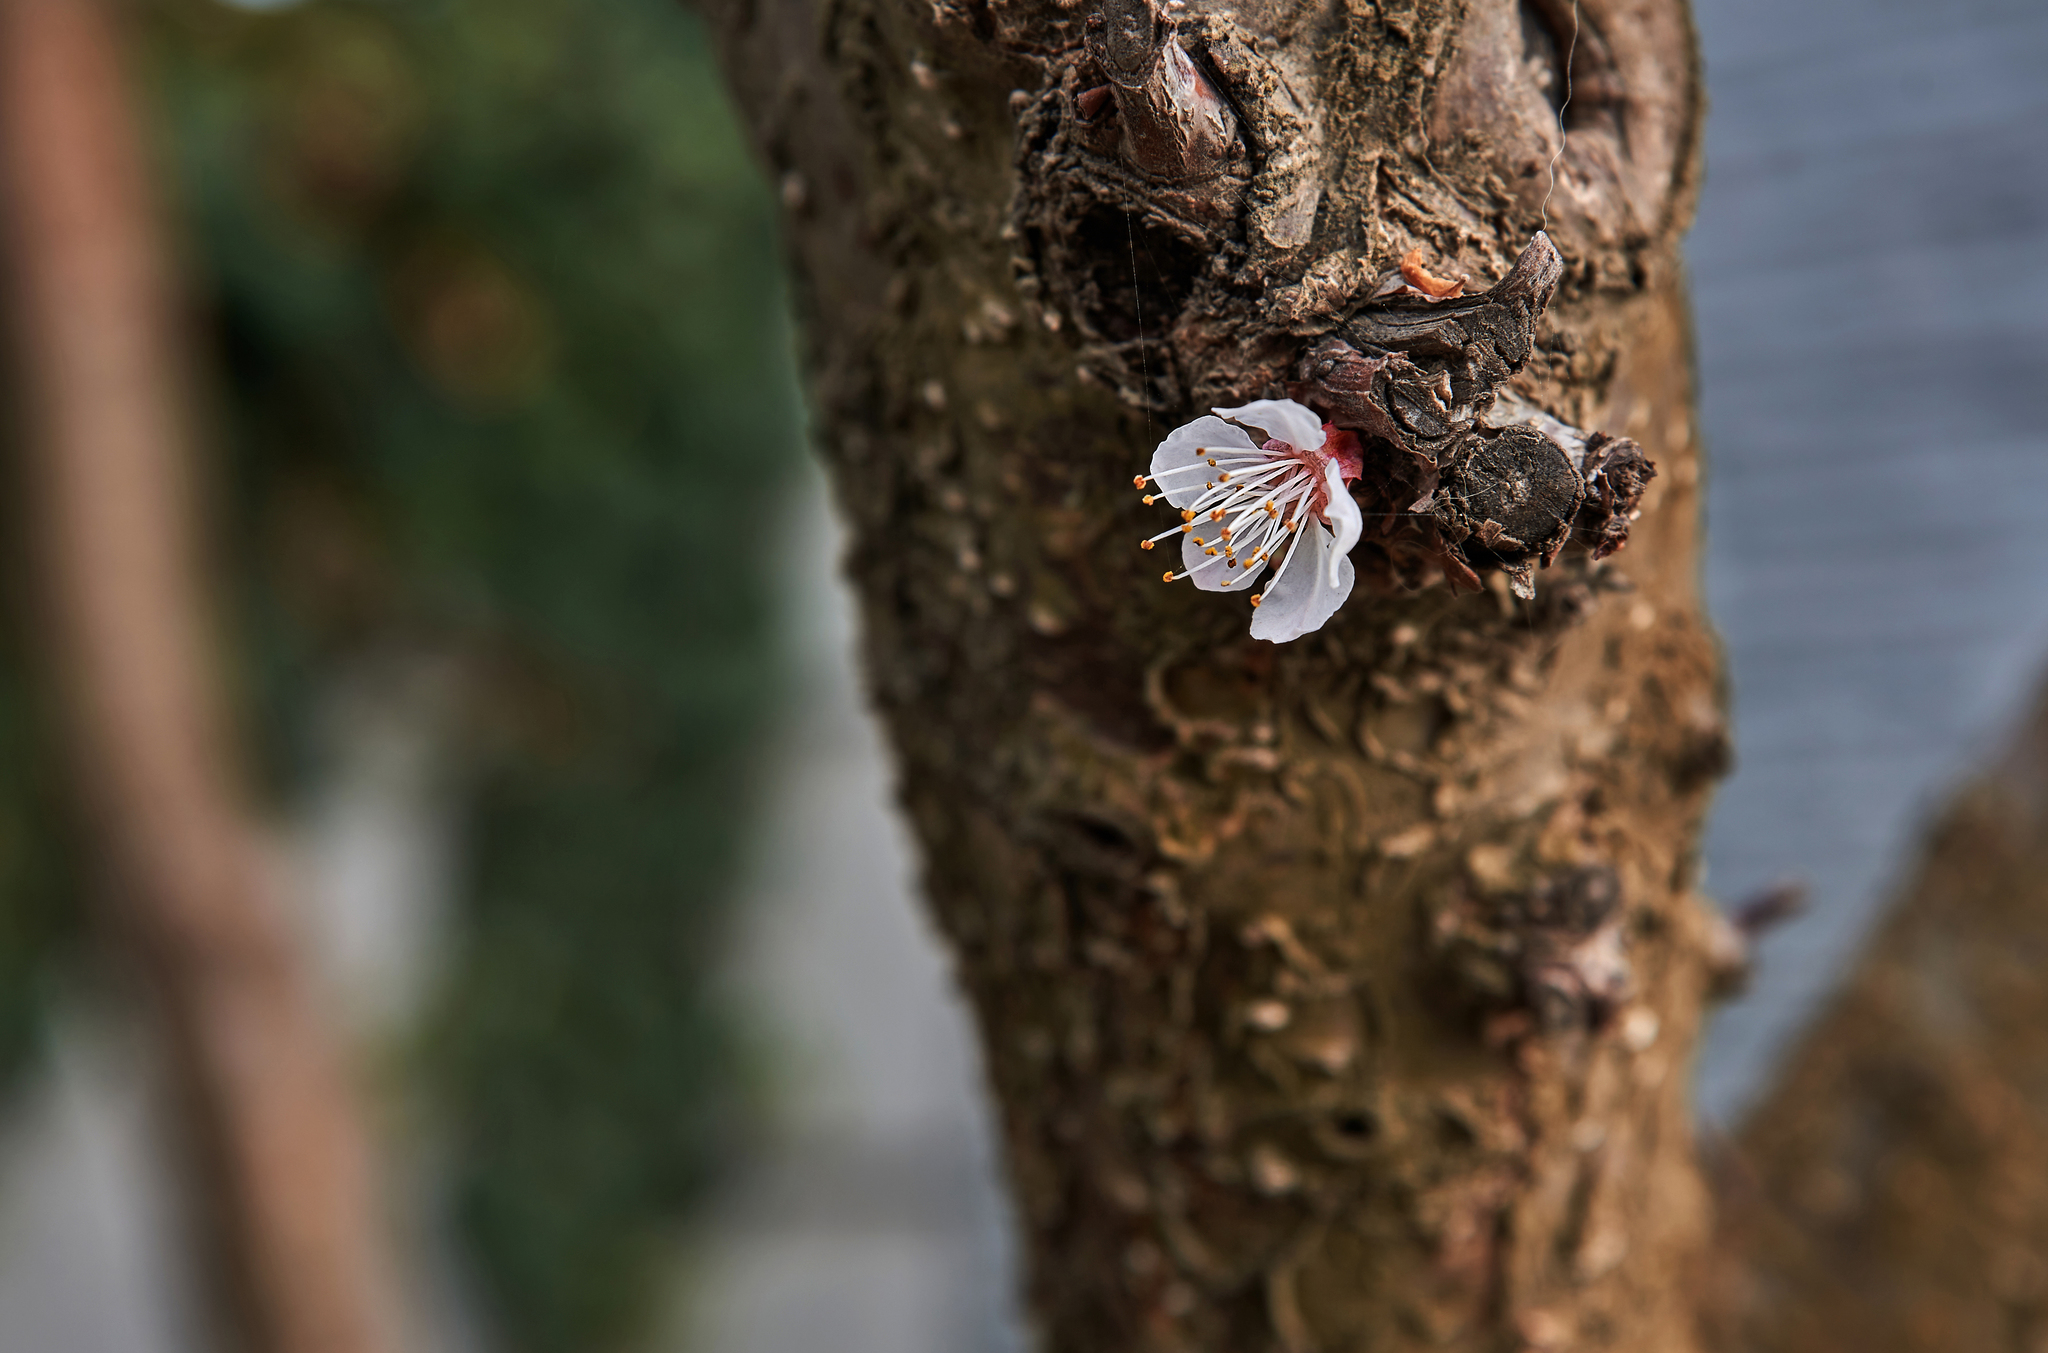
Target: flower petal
point(1343, 515)
point(1307, 594)
point(1211, 572)
point(1183, 447)
point(1280, 418)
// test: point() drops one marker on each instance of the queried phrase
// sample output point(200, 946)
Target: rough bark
point(276, 1141)
point(1336, 995)
point(1892, 1193)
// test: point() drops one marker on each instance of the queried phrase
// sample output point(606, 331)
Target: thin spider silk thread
point(1138, 309)
point(1563, 136)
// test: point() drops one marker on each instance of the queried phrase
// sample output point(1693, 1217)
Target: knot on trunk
point(1174, 121)
point(1547, 957)
point(1163, 181)
point(1175, 124)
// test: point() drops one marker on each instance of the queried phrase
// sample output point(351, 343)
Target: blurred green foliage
point(499, 375)
point(40, 920)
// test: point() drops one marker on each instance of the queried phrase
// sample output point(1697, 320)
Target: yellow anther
point(1258, 597)
point(1151, 499)
point(1210, 551)
point(1226, 533)
point(1225, 476)
point(1167, 576)
point(1200, 541)
point(1272, 511)
point(1212, 460)
point(1187, 514)
point(1137, 481)
point(1144, 544)
point(1216, 515)
point(1185, 528)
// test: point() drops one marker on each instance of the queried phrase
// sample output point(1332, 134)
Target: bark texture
point(281, 1167)
point(1337, 995)
point(1892, 1193)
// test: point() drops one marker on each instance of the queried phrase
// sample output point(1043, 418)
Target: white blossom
point(1244, 501)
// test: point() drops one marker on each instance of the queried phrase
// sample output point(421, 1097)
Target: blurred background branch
point(487, 319)
point(1890, 1193)
point(276, 1141)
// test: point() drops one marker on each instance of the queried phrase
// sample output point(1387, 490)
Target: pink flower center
point(1338, 445)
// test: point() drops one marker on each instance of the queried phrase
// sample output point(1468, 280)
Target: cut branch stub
point(1457, 472)
point(1480, 341)
point(1510, 499)
point(1616, 473)
point(1175, 124)
point(1415, 373)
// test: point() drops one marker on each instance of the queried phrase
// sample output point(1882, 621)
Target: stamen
point(1261, 500)
point(1138, 481)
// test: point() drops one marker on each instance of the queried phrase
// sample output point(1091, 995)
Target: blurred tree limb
point(271, 1126)
point(433, 255)
point(1891, 1193)
point(492, 296)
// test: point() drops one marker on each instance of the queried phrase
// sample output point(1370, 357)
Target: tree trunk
point(1336, 994)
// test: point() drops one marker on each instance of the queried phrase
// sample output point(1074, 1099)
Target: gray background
point(1870, 275)
point(1870, 279)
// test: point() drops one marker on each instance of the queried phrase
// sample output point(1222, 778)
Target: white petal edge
point(1211, 579)
point(1343, 514)
point(1305, 598)
point(1183, 447)
point(1282, 418)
